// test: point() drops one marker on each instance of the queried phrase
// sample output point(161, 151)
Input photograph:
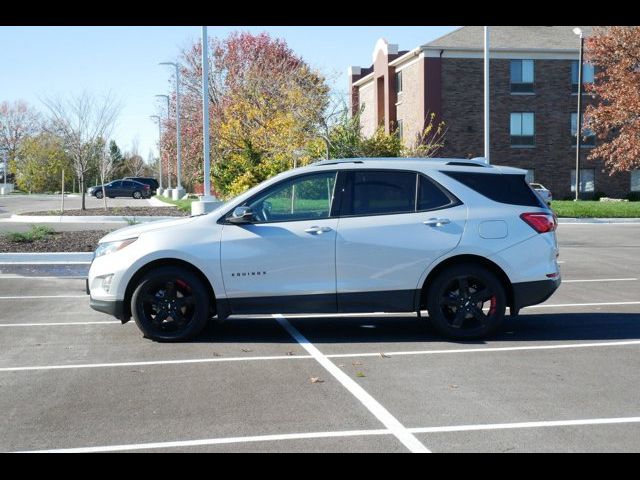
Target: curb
point(48, 258)
point(82, 219)
point(595, 221)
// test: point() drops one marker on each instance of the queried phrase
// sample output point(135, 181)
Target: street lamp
point(168, 116)
point(578, 32)
point(159, 120)
point(179, 191)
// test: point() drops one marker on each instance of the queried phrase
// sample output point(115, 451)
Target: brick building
point(533, 88)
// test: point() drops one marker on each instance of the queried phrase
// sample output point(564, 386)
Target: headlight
point(110, 247)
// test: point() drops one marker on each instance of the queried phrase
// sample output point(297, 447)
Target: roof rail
point(320, 163)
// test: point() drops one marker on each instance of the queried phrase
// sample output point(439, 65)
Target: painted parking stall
point(560, 377)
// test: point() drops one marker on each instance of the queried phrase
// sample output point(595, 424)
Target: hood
point(136, 230)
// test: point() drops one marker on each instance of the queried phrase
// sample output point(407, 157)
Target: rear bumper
point(532, 293)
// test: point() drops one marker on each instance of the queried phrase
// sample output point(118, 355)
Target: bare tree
point(105, 166)
point(17, 122)
point(83, 121)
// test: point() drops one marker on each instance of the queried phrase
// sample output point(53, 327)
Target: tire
point(99, 194)
point(137, 195)
point(462, 317)
point(161, 320)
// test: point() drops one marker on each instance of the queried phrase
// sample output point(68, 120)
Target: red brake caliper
point(492, 308)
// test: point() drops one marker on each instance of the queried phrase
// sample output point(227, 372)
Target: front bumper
point(115, 308)
point(532, 293)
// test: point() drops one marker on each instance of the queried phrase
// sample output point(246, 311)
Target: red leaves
point(615, 52)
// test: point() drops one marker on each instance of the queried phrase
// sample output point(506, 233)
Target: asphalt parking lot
point(562, 377)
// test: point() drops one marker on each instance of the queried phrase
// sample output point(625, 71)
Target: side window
point(302, 198)
point(380, 192)
point(430, 196)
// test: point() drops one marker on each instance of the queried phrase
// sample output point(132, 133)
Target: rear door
point(393, 225)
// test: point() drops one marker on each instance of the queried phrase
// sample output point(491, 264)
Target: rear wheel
point(170, 304)
point(466, 301)
point(137, 195)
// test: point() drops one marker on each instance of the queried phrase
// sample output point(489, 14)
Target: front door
point(284, 261)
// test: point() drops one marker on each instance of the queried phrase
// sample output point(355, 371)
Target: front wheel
point(466, 301)
point(99, 194)
point(170, 304)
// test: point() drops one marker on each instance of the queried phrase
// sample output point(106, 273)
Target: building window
point(399, 82)
point(523, 129)
point(522, 76)
point(530, 176)
point(588, 73)
point(635, 180)
point(587, 180)
point(588, 137)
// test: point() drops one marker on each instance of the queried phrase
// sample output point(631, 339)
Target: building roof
point(511, 38)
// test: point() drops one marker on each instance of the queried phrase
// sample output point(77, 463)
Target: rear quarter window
point(503, 188)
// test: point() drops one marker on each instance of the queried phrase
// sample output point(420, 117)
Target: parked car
point(543, 192)
point(121, 188)
point(152, 182)
point(461, 239)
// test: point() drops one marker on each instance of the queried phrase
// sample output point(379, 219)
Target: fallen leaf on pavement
point(384, 355)
point(316, 380)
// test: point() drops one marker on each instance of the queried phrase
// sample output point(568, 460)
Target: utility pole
point(578, 32)
point(486, 95)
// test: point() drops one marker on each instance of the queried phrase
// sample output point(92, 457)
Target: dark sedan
point(121, 188)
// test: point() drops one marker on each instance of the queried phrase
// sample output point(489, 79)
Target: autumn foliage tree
point(615, 53)
point(265, 106)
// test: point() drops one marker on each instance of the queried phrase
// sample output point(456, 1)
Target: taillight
point(541, 222)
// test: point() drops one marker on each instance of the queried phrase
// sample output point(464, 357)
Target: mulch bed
point(118, 211)
point(82, 241)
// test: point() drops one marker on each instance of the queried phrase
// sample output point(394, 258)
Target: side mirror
point(241, 215)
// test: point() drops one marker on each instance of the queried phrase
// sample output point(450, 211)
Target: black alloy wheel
point(170, 304)
point(466, 301)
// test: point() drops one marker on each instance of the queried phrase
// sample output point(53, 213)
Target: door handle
point(437, 222)
point(318, 230)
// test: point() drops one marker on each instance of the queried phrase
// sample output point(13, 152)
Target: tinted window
point(301, 198)
point(430, 196)
point(512, 189)
point(378, 192)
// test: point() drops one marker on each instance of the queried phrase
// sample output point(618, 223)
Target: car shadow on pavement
point(410, 329)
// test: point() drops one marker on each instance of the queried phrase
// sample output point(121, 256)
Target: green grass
point(184, 205)
point(37, 232)
point(595, 209)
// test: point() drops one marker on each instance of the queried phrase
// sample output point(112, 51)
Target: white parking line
point(60, 324)
point(382, 414)
point(35, 297)
point(557, 305)
point(153, 362)
point(601, 280)
point(503, 426)
point(339, 434)
point(489, 349)
point(335, 355)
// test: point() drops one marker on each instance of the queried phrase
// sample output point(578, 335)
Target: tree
point(116, 158)
point(81, 121)
point(18, 121)
point(265, 105)
point(429, 141)
point(39, 163)
point(615, 53)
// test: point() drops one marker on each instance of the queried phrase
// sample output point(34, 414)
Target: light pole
point(168, 169)
point(578, 32)
point(179, 191)
point(207, 202)
point(159, 120)
point(486, 95)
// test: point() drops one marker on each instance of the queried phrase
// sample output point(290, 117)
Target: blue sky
point(37, 62)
